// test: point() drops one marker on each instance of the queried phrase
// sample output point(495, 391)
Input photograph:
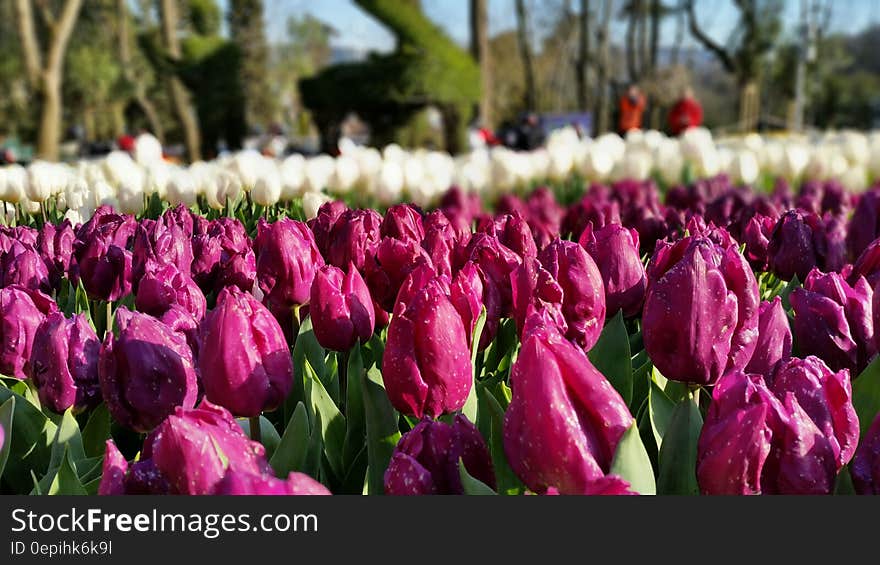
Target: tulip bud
point(354, 238)
point(426, 365)
point(403, 222)
point(145, 372)
point(165, 286)
point(22, 265)
point(565, 419)
point(833, 320)
point(864, 224)
point(774, 338)
point(21, 312)
point(64, 363)
point(103, 259)
point(440, 241)
point(583, 293)
point(867, 265)
point(244, 359)
point(113, 471)
point(341, 308)
point(535, 289)
point(55, 245)
point(615, 249)
point(865, 468)
point(247, 484)
point(514, 233)
point(222, 254)
point(791, 249)
point(756, 236)
point(466, 293)
point(701, 311)
point(156, 243)
point(323, 223)
point(426, 459)
point(287, 259)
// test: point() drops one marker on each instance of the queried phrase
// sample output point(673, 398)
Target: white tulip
point(855, 178)
point(293, 176)
point(181, 188)
point(743, 168)
point(599, 163)
point(147, 149)
point(312, 201)
point(44, 180)
point(13, 183)
point(390, 183)
point(247, 165)
point(669, 162)
point(345, 174)
point(318, 172)
point(267, 188)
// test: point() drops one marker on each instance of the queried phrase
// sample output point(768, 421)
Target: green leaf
point(306, 348)
point(65, 480)
point(292, 451)
point(678, 454)
point(493, 422)
point(268, 434)
point(786, 292)
point(866, 395)
point(97, 431)
point(7, 413)
point(356, 427)
point(660, 409)
point(611, 356)
point(331, 419)
point(382, 431)
point(470, 405)
point(30, 446)
point(67, 439)
point(471, 485)
point(631, 462)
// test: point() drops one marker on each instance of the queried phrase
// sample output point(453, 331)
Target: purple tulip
point(222, 255)
point(244, 359)
point(791, 437)
point(156, 244)
point(21, 312)
point(426, 458)
point(774, 338)
point(756, 237)
point(534, 288)
point(833, 320)
point(341, 308)
point(867, 265)
point(145, 372)
point(565, 419)
point(322, 224)
point(441, 241)
point(103, 256)
point(403, 222)
point(427, 362)
point(22, 265)
point(513, 232)
point(393, 260)
point(701, 311)
point(865, 467)
point(287, 259)
point(243, 484)
point(466, 293)
point(496, 262)
point(165, 286)
point(64, 363)
point(183, 322)
point(55, 245)
point(595, 208)
point(615, 249)
point(188, 453)
point(864, 226)
point(354, 238)
point(791, 250)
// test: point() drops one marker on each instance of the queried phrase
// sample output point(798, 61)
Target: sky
point(357, 30)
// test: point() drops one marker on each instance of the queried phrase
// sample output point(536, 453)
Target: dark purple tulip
point(864, 226)
point(594, 208)
point(791, 250)
point(790, 437)
point(181, 218)
point(534, 288)
point(426, 458)
point(165, 286)
point(354, 238)
point(615, 249)
point(155, 244)
point(810, 196)
point(441, 241)
point(833, 320)
point(544, 216)
point(583, 293)
point(146, 372)
point(102, 255)
point(701, 311)
point(867, 265)
point(756, 237)
point(565, 419)
point(287, 259)
point(462, 208)
point(246, 484)
point(239, 270)
point(322, 224)
point(22, 265)
point(394, 259)
point(496, 262)
point(865, 467)
point(222, 255)
point(244, 359)
point(341, 308)
point(513, 232)
point(183, 322)
point(403, 222)
point(22, 234)
point(21, 312)
point(413, 284)
point(427, 362)
point(189, 453)
point(829, 235)
point(466, 293)
point(64, 363)
point(55, 245)
point(774, 338)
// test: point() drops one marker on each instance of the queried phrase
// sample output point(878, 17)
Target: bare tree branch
point(701, 36)
point(61, 34)
point(46, 13)
point(30, 46)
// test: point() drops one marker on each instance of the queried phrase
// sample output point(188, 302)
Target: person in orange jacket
point(685, 114)
point(632, 106)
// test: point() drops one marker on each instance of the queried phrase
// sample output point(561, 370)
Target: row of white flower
point(123, 180)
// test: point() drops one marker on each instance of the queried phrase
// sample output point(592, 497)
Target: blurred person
point(481, 137)
point(530, 134)
point(632, 106)
point(685, 114)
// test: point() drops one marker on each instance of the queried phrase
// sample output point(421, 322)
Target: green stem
point(109, 319)
point(256, 431)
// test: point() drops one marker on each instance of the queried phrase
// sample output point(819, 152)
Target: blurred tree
point(177, 91)
point(44, 64)
point(136, 71)
point(247, 31)
point(525, 50)
point(602, 106)
point(753, 38)
point(482, 54)
point(426, 68)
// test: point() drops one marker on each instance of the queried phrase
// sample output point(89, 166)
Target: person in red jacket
point(632, 106)
point(685, 114)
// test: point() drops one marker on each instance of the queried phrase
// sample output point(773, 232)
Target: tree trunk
point(179, 95)
point(630, 39)
point(454, 132)
point(655, 32)
point(603, 69)
point(483, 56)
point(749, 105)
point(140, 96)
point(50, 117)
point(525, 49)
point(583, 55)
